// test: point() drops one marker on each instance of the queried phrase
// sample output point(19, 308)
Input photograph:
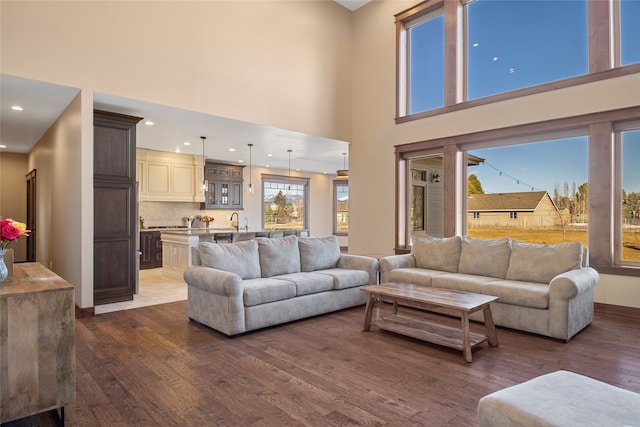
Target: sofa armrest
point(360, 262)
point(392, 262)
point(572, 283)
point(214, 281)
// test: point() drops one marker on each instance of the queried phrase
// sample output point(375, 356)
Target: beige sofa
point(250, 285)
point(543, 289)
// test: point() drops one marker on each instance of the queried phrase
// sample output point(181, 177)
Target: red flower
point(8, 231)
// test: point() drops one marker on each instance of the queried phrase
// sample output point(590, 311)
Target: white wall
point(372, 163)
point(60, 208)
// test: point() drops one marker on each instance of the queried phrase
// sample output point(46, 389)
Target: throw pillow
point(240, 258)
point(541, 263)
point(318, 253)
point(279, 255)
point(483, 257)
point(437, 254)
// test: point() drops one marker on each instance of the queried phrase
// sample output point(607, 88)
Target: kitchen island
point(179, 246)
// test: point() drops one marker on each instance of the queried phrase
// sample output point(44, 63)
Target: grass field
point(630, 245)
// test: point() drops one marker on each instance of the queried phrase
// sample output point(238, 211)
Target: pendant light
point(344, 172)
point(250, 164)
point(289, 188)
point(205, 182)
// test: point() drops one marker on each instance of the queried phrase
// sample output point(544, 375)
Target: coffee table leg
point(368, 312)
point(466, 340)
point(489, 327)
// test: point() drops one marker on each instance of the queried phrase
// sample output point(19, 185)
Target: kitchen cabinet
point(37, 345)
point(169, 177)
point(224, 190)
point(115, 250)
point(151, 248)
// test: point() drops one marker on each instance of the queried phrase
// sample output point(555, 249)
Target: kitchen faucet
point(231, 219)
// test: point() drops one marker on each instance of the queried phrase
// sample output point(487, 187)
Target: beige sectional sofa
point(239, 287)
point(543, 289)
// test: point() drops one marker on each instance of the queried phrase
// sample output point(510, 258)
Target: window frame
point(603, 167)
point(284, 179)
point(603, 56)
point(339, 183)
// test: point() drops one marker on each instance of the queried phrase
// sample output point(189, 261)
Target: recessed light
point(266, 166)
point(232, 149)
point(325, 172)
point(298, 170)
point(269, 155)
point(149, 123)
point(17, 108)
point(186, 143)
point(3, 146)
point(240, 161)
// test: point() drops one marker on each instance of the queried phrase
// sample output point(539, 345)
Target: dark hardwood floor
point(152, 366)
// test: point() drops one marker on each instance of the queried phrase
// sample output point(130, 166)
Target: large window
point(341, 207)
point(516, 44)
point(535, 192)
point(629, 234)
point(550, 182)
point(426, 70)
point(459, 54)
point(285, 202)
point(629, 31)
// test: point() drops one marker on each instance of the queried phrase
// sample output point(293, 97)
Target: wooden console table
point(37, 343)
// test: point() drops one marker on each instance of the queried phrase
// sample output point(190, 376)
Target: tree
point(473, 185)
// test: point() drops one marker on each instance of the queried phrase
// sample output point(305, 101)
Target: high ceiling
point(42, 103)
point(226, 140)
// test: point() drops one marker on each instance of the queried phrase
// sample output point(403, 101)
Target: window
point(497, 50)
point(629, 31)
point(285, 202)
point(426, 64)
point(516, 44)
point(628, 242)
point(513, 215)
point(341, 207)
point(476, 215)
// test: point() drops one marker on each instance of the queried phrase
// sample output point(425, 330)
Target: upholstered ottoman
point(561, 398)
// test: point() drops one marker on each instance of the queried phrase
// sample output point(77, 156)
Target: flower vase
point(4, 272)
point(207, 224)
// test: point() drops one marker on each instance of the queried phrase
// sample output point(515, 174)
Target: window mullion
point(599, 40)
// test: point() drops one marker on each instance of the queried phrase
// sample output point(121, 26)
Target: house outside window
point(285, 202)
point(340, 207)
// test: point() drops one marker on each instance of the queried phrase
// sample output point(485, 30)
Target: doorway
point(31, 216)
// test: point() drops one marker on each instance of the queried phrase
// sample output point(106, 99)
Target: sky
point(520, 43)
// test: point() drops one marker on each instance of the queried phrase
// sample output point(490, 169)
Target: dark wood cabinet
point(151, 248)
point(225, 186)
point(115, 210)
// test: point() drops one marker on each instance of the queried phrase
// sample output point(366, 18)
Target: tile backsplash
point(158, 214)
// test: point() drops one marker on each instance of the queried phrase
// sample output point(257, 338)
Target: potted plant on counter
point(206, 219)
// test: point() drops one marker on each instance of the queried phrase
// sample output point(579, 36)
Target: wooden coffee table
point(453, 302)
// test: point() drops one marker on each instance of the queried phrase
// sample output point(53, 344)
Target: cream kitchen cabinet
point(173, 177)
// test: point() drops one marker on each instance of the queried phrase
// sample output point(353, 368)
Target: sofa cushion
point(318, 253)
point(540, 263)
point(239, 258)
point(484, 257)
point(524, 294)
point(265, 290)
point(460, 282)
point(308, 283)
point(416, 276)
point(279, 255)
point(344, 278)
point(437, 254)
